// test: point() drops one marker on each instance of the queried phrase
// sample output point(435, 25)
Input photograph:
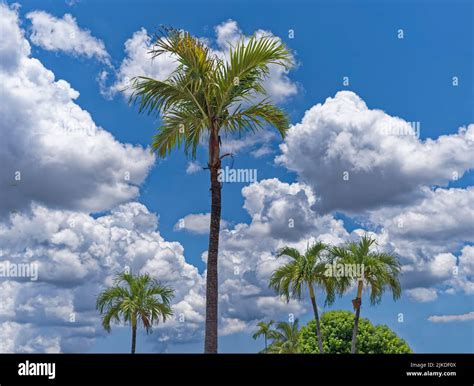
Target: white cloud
point(13, 45)
point(78, 254)
point(257, 143)
point(56, 155)
point(196, 223)
point(70, 274)
point(466, 260)
point(427, 234)
point(193, 167)
point(138, 62)
point(344, 136)
point(423, 294)
point(441, 216)
point(462, 279)
point(247, 251)
point(54, 34)
point(452, 318)
point(262, 151)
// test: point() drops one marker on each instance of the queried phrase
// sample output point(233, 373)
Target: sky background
point(394, 177)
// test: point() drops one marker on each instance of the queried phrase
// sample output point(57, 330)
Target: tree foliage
point(336, 327)
point(206, 93)
point(285, 338)
point(135, 299)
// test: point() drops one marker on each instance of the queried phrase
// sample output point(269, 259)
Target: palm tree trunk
point(210, 341)
point(357, 302)
point(266, 348)
point(134, 336)
point(316, 317)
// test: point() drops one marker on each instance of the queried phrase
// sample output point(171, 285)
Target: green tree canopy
point(336, 327)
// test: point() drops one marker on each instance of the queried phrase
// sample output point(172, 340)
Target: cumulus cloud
point(441, 216)
point(138, 62)
point(56, 155)
point(356, 158)
point(423, 294)
point(196, 223)
point(462, 279)
point(63, 34)
point(13, 46)
point(258, 144)
point(78, 255)
point(430, 237)
point(452, 318)
point(193, 167)
point(466, 260)
point(280, 215)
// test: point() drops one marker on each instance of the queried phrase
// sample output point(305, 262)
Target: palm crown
point(380, 269)
point(263, 329)
point(303, 270)
point(286, 338)
point(206, 93)
point(380, 272)
point(135, 300)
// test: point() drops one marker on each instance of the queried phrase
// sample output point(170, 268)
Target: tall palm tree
point(380, 272)
point(138, 300)
point(305, 270)
point(202, 99)
point(285, 338)
point(265, 330)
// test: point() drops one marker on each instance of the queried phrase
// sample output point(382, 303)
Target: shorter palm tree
point(305, 270)
point(138, 300)
point(380, 272)
point(265, 330)
point(285, 338)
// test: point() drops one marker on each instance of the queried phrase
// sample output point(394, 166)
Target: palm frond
point(255, 117)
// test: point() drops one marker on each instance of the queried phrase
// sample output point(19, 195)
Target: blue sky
point(410, 78)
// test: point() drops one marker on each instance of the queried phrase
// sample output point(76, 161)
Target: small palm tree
point(203, 99)
point(265, 330)
point(380, 272)
point(138, 300)
point(285, 338)
point(305, 270)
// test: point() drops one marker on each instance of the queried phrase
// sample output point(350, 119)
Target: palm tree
point(136, 300)
point(202, 99)
point(285, 338)
point(380, 272)
point(265, 330)
point(305, 270)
